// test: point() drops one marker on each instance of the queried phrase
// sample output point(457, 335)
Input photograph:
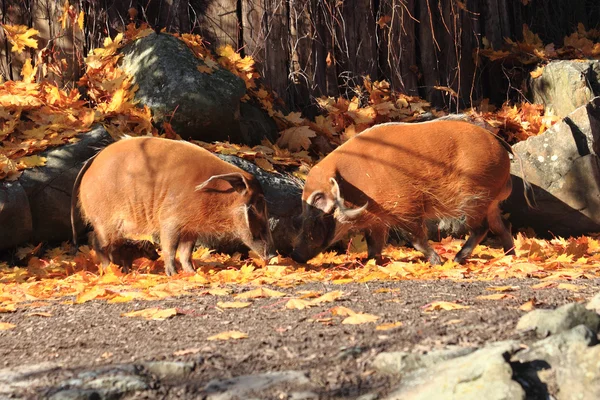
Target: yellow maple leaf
point(298, 304)
point(360, 318)
point(328, 297)
point(260, 292)
point(8, 308)
point(442, 305)
point(569, 286)
point(264, 164)
point(4, 326)
point(342, 311)
point(93, 293)
point(219, 291)
point(31, 161)
point(296, 138)
point(20, 37)
point(233, 304)
point(227, 335)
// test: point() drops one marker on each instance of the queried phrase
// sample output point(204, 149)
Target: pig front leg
point(169, 240)
point(185, 249)
point(376, 238)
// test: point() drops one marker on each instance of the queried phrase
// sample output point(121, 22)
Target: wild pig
point(125, 252)
point(148, 186)
point(398, 175)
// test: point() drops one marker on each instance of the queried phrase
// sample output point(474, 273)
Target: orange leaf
point(528, 306)
point(342, 311)
point(387, 326)
point(296, 138)
point(503, 288)
point(20, 37)
point(544, 285)
point(569, 286)
point(8, 308)
point(39, 314)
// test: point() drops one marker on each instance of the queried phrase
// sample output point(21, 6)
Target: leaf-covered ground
point(411, 315)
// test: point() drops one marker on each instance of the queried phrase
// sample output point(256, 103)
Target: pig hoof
point(435, 260)
point(188, 268)
point(170, 271)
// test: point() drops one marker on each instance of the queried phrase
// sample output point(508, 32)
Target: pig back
point(137, 183)
point(431, 167)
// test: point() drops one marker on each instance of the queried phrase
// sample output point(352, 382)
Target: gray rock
point(284, 204)
point(551, 322)
point(563, 167)
point(15, 215)
point(169, 369)
point(235, 388)
point(483, 374)
point(48, 188)
point(594, 303)
point(198, 105)
point(256, 124)
point(566, 85)
point(401, 362)
point(15, 379)
point(564, 363)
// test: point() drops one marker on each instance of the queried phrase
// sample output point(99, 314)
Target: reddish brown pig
point(398, 175)
point(147, 185)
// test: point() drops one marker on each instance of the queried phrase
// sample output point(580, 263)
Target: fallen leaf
point(328, 297)
point(544, 285)
point(232, 304)
point(227, 335)
point(360, 318)
point(388, 326)
point(342, 311)
point(219, 291)
point(260, 292)
point(528, 306)
point(296, 138)
point(4, 326)
point(442, 305)
point(496, 296)
point(39, 314)
point(8, 308)
point(153, 313)
point(503, 288)
point(569, 286)
point(298, 304)
point(185, 352)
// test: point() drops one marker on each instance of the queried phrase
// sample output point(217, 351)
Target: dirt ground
point(337, 357)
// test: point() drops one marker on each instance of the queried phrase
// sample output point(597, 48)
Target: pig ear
point(318, 200)
point(237, 181)
point(344, 214)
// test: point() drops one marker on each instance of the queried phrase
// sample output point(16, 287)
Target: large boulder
point(199, 105)
point(563, 167)
point(48, 188)
point(566, 85)
point(15, 215)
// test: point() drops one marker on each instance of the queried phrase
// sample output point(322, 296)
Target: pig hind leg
point(100, 244)
point(185, 249)
point(498, 227)
point(418, 238)
point(478, 228)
